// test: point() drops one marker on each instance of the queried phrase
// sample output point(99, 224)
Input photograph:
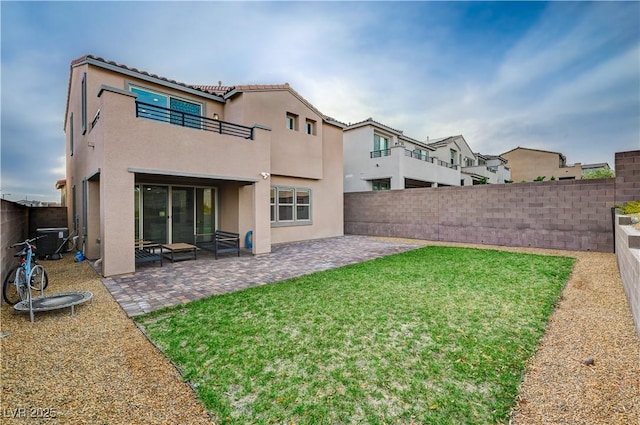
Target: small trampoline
point(54, 302)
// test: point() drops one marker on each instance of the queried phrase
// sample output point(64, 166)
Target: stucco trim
point(196, 175)
point(94, 175)
point(104, 88)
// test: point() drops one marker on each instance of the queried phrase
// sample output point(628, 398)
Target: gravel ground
point(97, 368)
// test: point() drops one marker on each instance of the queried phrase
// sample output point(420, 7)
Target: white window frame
point(310, 127)
point(292, 121)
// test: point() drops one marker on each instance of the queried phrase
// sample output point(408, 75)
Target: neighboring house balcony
point(400, 168)
point(482, 171)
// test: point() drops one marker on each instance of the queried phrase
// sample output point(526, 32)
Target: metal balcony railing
point(380, 153)
point(433, 160)
point(184, 119)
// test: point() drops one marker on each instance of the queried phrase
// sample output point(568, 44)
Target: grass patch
point(437, 335)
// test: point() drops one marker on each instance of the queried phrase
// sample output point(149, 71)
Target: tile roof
point(216, 90)
point(535, 150)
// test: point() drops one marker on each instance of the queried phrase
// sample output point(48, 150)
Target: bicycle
point(14, 287)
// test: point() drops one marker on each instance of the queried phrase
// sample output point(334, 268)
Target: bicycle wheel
point(39, 278)
point(21, 284)
point(9, 290)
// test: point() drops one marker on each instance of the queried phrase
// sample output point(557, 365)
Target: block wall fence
point(14, 227)
point(568, 214)
point(19, 222)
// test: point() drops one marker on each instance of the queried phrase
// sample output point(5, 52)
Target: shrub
point(539, 178)
point(631, 207)
point(601, 173)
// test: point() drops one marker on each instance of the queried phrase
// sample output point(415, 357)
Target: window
point(290, 205)
point(285, 204)
point(380, 146)
point(71, 133)
point(84, 103)
point(292, 121)
point(185, 113)
point(468, 162)
point(273, 204)
point(310, 127)
point(182, 112)
point(420, 154)
point(303, 204)
point(383, 184)
point(452, 156)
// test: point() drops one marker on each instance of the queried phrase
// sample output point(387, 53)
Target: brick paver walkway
point(153, 287)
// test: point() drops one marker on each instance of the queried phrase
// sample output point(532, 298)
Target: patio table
point(180, 251)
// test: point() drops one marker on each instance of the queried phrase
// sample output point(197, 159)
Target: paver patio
point(153, 287)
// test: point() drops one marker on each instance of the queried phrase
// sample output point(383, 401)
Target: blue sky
point(559, 76)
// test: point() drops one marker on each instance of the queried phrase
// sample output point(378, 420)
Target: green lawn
point(438, 335)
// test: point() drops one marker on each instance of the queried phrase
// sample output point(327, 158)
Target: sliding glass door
point(182, 217)
point(173, 214)
point(154, 213)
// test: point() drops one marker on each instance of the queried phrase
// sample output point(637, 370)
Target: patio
point(153, 287)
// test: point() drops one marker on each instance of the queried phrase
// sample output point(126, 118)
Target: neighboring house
point(378, 157)
point(528, 164)
point(152, 158)
point(590, 168)
point(497, 165)
point(474, 168)
point(61, 185)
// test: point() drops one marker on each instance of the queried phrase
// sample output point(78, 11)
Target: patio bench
point(146, 252)
point(221, 242)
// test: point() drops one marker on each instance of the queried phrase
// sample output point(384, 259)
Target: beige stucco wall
point(122, 150)
point(327, 195)
point(293, 152)
point(527, 165)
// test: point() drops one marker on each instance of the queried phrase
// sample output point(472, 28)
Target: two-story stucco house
point(155, 159)
point(378, 157)
point(528, 164)
point(474, 167)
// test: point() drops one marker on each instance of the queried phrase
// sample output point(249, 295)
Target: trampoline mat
point(55, 301)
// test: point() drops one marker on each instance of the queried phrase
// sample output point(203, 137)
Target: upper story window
point(84, 103)
point(310, 127)
point(420, 154)
point(468, 162)
point(71, 141)
point(181, 111)
point(292, 121)
point(380, 146)
point(452, 156)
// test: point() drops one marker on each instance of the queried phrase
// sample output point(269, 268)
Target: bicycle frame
point(27, 263)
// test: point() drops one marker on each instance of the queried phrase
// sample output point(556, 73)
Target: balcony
point(380, 153)
point(184, 119)
point(422, 157)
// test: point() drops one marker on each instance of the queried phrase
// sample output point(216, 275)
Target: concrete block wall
point(46, 218)
point(14, 228)
point(627, 176)
point(628, 255)
point(568, 214)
